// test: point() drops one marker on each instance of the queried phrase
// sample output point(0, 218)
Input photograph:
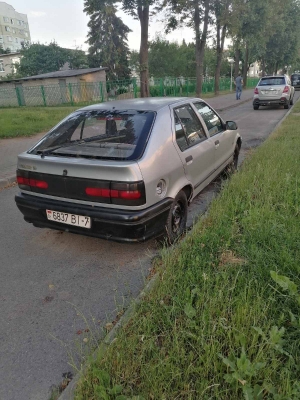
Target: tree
point(221, 13)
point(4, 51)
point(140, 9)
point(194, 14)
point(41, 58)
point(107, 38)
point(166, 58)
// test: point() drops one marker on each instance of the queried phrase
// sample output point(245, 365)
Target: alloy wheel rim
point(177, 216)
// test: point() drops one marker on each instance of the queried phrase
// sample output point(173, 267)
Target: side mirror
point(231, 126)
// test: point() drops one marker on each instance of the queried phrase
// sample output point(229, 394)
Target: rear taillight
point(27, 183)
point(286, 89)
point(256, 91)
point(120, 193)
point(97, 192)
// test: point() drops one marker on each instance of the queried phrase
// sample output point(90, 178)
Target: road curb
point(233, 105)
point(69, 392)
point(4, 182)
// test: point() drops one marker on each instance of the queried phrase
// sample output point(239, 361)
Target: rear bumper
point(267, 102)
point(107, 223)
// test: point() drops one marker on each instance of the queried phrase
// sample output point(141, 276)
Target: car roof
point(273, 76)
point(146, 103)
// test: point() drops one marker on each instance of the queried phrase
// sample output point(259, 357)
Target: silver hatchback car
point(125, 170)
point(276, 89)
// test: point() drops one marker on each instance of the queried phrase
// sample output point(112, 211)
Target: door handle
point(189, 159)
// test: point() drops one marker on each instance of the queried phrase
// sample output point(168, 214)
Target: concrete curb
point(69, 392)
point(7, 181)
point(233, 105)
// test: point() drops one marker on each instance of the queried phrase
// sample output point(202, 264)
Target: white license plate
point(269, 92)
point(69, 219)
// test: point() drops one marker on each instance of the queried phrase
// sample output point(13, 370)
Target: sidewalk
point(10, 148)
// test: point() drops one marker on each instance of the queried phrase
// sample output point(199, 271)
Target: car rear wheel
point(176, 222)
point(287, 106)
point(292, 101)
point(255, 107)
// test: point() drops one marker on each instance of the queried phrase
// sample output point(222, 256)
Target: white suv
point(275, 89)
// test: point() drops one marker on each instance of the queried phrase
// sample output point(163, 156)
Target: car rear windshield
point(106, 134)
point(272, 81)
point(295, 76)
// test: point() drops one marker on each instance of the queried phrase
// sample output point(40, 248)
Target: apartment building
point(14, 28)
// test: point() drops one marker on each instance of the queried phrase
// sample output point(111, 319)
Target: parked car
point(125, 170)
point(275, 89)
point(295, 79)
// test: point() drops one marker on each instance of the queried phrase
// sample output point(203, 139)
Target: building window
point(6, 19)
point(12, 21)
point(1, 39)
point(1, 66)
point(7, 28)
point(19, 22)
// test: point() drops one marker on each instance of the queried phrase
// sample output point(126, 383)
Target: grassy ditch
point(223, 320)
point(17, 122)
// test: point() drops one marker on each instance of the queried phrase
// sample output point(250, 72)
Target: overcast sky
point(65, 22)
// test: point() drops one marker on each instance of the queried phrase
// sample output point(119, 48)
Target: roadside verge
point(222, 318)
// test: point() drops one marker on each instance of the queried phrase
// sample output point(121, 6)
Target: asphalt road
point(54, 285)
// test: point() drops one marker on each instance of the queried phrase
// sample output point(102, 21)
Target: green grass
point(27, 121)
point(217, 325)
point(17, 122)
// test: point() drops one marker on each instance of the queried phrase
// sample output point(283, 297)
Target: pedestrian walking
point(238, 86)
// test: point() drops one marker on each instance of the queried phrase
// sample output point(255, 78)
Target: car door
point(223, 139)
point(194, 147)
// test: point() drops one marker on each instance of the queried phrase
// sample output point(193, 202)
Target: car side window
point(188, 128)
point(212, 121)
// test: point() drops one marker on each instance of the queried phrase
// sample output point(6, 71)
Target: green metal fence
point(95, 92)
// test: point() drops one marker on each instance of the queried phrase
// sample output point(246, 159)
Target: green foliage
point(4, 51)
point(39, 58)
point(107, 38)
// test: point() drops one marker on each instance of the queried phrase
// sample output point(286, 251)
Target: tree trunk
point(220, 48)
point(200, 43)
point(263, 64)
point(237, 58)
point(197, 48)
point(143, 13)
point(245, 71)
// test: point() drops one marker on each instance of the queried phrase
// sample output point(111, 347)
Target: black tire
point(255, 107)
point(292, 101)
point(287, 106)
point(236, 157)
point(176, 221)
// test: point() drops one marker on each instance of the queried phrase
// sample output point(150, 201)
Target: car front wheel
point(176, 222)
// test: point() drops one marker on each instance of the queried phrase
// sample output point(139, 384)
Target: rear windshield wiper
point(46, 152)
